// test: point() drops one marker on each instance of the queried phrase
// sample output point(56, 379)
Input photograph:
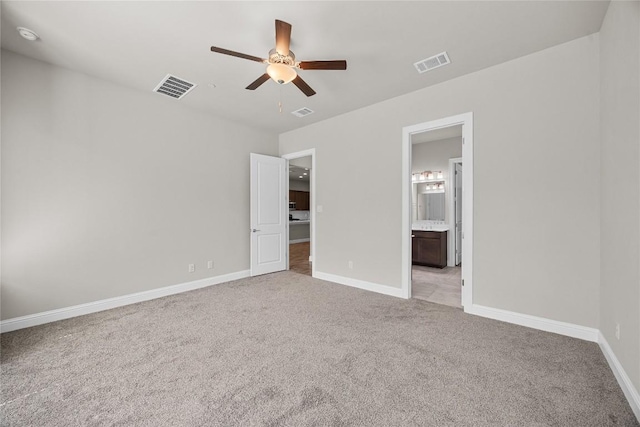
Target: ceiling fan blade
point(303, 86)
point(236, 54)
point(324, 65)
point(283, 37)
point(258, 82)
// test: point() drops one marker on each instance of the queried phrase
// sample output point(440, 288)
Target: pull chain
point(280, 101)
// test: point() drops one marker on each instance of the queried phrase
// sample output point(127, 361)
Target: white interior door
point(458, 205)
point(269, 214)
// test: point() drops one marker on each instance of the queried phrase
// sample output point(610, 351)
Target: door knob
point(254, 230)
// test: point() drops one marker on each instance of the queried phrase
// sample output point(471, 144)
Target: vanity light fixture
point(305, 173)
point(300, 177)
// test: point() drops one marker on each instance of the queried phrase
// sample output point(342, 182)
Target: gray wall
point(299, 185)
point(620, 208)
point(536, 183)
point(434, 156)
point(108, 191)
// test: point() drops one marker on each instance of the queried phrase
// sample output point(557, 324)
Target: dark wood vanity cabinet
point(429, 248)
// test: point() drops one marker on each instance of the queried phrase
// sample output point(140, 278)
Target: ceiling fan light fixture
point(281, 63)
point(281, 73)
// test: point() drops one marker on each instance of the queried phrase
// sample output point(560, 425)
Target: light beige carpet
point(288, 350)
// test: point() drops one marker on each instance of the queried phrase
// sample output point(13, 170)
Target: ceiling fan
point(282, 64)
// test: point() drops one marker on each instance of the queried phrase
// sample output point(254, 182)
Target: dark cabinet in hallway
point(301, 198)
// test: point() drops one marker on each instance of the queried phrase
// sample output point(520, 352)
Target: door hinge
point(462, 282)
point(463, 140)
point(463, 234)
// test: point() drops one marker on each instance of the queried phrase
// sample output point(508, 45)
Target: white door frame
point(312, 203)
point(466, 120)
point(451, 208)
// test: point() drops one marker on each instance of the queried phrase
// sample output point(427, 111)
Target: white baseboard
point(540, 323)
point(299, 240)
point(570, 330)
point(630, 392)
point(360, 284)
point(106, 304)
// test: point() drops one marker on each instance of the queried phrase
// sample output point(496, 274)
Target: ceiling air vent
point(431, 63)
point(174, 86)
point(302, 112)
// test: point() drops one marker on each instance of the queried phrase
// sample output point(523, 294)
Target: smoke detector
point(28, 34)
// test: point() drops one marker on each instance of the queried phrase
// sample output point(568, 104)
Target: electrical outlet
point(351, 265)
point(210, 264)
point(618, 330)
point(192, 268)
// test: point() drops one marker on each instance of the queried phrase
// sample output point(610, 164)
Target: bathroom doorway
point(437, 242)
point(436, 197)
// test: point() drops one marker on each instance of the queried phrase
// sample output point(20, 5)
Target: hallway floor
point(437, 285)
point(299, 258)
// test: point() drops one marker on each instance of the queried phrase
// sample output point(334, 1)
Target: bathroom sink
point(429, 227)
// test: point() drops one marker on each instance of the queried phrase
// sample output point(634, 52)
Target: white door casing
point(458, 208)
point(311, 152)
point(451, 210)
point(466, 120)
point(268, 214)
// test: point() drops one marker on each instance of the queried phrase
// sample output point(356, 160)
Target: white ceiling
point(137, 43)
point(298, 173)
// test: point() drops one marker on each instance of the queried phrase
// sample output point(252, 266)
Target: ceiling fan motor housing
point(277, 58)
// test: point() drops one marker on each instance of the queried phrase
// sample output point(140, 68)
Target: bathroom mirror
point(430, 207)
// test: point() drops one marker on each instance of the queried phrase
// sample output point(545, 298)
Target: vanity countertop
point(417, 226)
point(297, 222)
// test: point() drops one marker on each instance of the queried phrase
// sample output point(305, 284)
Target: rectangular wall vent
point(174, 87)
point(302, 112)
point(433, 62)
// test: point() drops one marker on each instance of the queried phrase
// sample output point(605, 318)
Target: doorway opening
point(301, 196)
point(438, 211)
point(436, 272)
